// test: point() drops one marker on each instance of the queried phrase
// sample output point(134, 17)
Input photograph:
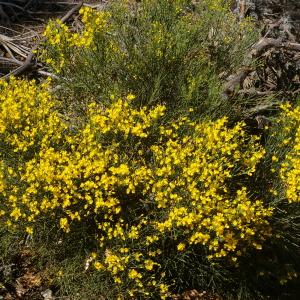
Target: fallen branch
point(68, 15)
point(237, 81)
point(292, 46)
point(266, 43)
point(8, 64)
point(10, 60)
point(253, 92)
point(47, 74)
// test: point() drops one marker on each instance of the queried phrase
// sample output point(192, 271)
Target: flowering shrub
point(283, 154)
point(63, 42)
point(290, 167)
point(166, 202)
point(28, 124)
point(161, 51)
point(151, 188)
point(280, 184)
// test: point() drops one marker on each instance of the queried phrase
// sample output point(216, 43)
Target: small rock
point(47, 295)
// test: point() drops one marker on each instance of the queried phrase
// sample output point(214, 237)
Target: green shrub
point(280, 171)
point(134, 178)
point(154, 193)
point(169, 52)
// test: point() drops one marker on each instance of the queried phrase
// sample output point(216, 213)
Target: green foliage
point(168, 52)
point(280, 170)
point(134, 182)
point(153, 192)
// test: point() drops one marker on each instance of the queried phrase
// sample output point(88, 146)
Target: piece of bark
point(236, 82)
point(263, 122)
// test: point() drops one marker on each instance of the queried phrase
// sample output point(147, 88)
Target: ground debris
point(275, 57)
point(47, 294)
point(20, 280)
point(196, 295)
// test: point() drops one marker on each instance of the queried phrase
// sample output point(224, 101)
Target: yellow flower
point(98, 265)
point(130, 97)
point(149, 264)
point(181, 247)
point(64, 224)
point(133, 274)
point(29, 230)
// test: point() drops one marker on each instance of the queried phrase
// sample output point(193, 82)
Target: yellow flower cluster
point(217, 5)
point(60, 41)
point(198, 201)
point(290, 167)
point(94, 22)
point(140, 181)
point(28, 119)
point(29, 123)
point(25, 107)
point(123, 119)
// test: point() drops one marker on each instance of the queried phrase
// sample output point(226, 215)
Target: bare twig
point(67, 16)
point(253, 92)
point(292, 46)
point(10, 60)
point(47, 74)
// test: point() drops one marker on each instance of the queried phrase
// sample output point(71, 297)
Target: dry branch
point(265, 43)
point(236, 81)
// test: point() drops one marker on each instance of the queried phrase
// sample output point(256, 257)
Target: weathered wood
point(236, 81)
point(265, 43)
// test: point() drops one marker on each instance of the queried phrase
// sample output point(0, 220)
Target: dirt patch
point(19, 278)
